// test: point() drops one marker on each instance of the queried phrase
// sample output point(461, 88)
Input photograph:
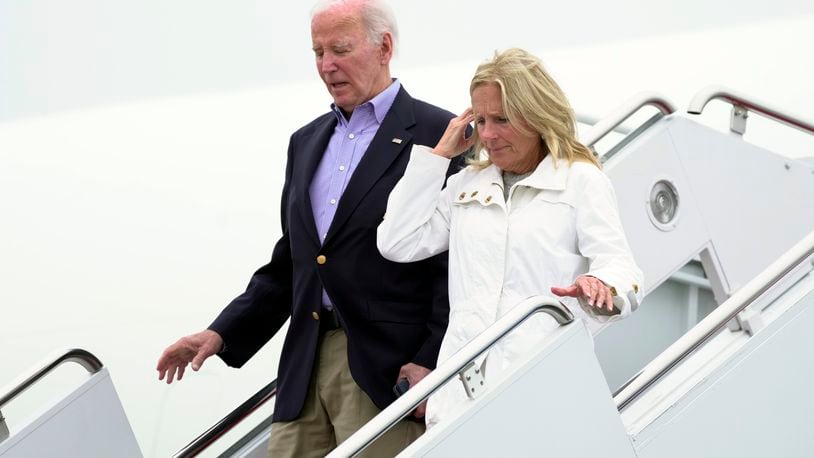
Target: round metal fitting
point(663, 205)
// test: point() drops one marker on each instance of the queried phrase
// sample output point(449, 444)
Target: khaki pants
point(334, 409)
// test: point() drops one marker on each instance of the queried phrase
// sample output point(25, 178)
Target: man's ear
point(386, 48)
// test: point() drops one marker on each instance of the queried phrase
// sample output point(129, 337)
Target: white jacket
point(558, 223)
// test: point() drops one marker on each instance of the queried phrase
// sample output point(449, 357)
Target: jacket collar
point(545, 176)
point(548, 177)
point(486, 186)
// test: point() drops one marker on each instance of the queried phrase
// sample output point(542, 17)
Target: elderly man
point(358, 322)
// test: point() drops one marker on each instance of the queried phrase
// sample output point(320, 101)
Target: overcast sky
point(57, 55)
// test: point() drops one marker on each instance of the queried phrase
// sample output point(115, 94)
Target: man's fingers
point(194, 349)
point(170, 374)
point(421, 410)
point(164, 359)
point(199, 359)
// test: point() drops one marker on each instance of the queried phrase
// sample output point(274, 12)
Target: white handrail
point(591, 120)
point(608, 123)
point(710, 93)
point(437, 378)
point(716, 320)
point(76, 355)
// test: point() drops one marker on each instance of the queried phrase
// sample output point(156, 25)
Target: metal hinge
point(751, 321)
point(737, 119)
point(472, 378)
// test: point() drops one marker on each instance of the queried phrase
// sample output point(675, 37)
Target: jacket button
point(461, 196)
point(475, 193)
point(321, 259)
point(315, 315)
point(488, 199)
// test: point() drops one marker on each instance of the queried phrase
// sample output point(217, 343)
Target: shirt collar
point(381, 103)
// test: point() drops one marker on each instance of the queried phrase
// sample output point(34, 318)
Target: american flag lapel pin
point(396, 141)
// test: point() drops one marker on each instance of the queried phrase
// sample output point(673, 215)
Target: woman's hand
point(454, 141)
point(596, 293)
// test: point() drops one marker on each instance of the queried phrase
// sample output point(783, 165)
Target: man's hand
point(591, 289)
point(194, 348)
point(414, 373)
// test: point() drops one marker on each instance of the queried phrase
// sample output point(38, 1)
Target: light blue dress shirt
point(347, 146)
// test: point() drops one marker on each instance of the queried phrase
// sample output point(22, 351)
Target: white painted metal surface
point(755, 402)
point(763, 283)
point(555, 404)
point(89, 422)
point(740, 207)
point(742, 204)
point(634, 171)
point(446, 371)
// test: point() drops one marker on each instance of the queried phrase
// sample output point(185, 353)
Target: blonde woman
point(532, 214)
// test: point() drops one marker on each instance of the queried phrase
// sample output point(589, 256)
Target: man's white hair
point(377, 17)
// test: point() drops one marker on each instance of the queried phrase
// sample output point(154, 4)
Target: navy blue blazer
point(392, 313)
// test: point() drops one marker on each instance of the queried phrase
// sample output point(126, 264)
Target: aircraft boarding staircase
point(716, 361)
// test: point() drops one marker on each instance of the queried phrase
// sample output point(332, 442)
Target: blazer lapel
point(377, 159)
point(308, 159)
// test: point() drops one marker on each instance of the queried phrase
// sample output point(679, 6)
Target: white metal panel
point(89, 422)
point(740, 207)
point(647, 159)
point(555, 404)
point(757, 403)
point(755, 204)
point(628, 345)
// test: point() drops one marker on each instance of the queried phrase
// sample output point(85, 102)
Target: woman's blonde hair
point(533, 103)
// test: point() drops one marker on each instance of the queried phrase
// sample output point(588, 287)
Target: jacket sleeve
point(253, 318)
point(416, 224)
point(601, 239)
point(427, 355)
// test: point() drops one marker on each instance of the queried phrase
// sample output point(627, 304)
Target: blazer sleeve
point(253, 318)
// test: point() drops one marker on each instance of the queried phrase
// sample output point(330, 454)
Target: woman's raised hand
point(454, 141)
